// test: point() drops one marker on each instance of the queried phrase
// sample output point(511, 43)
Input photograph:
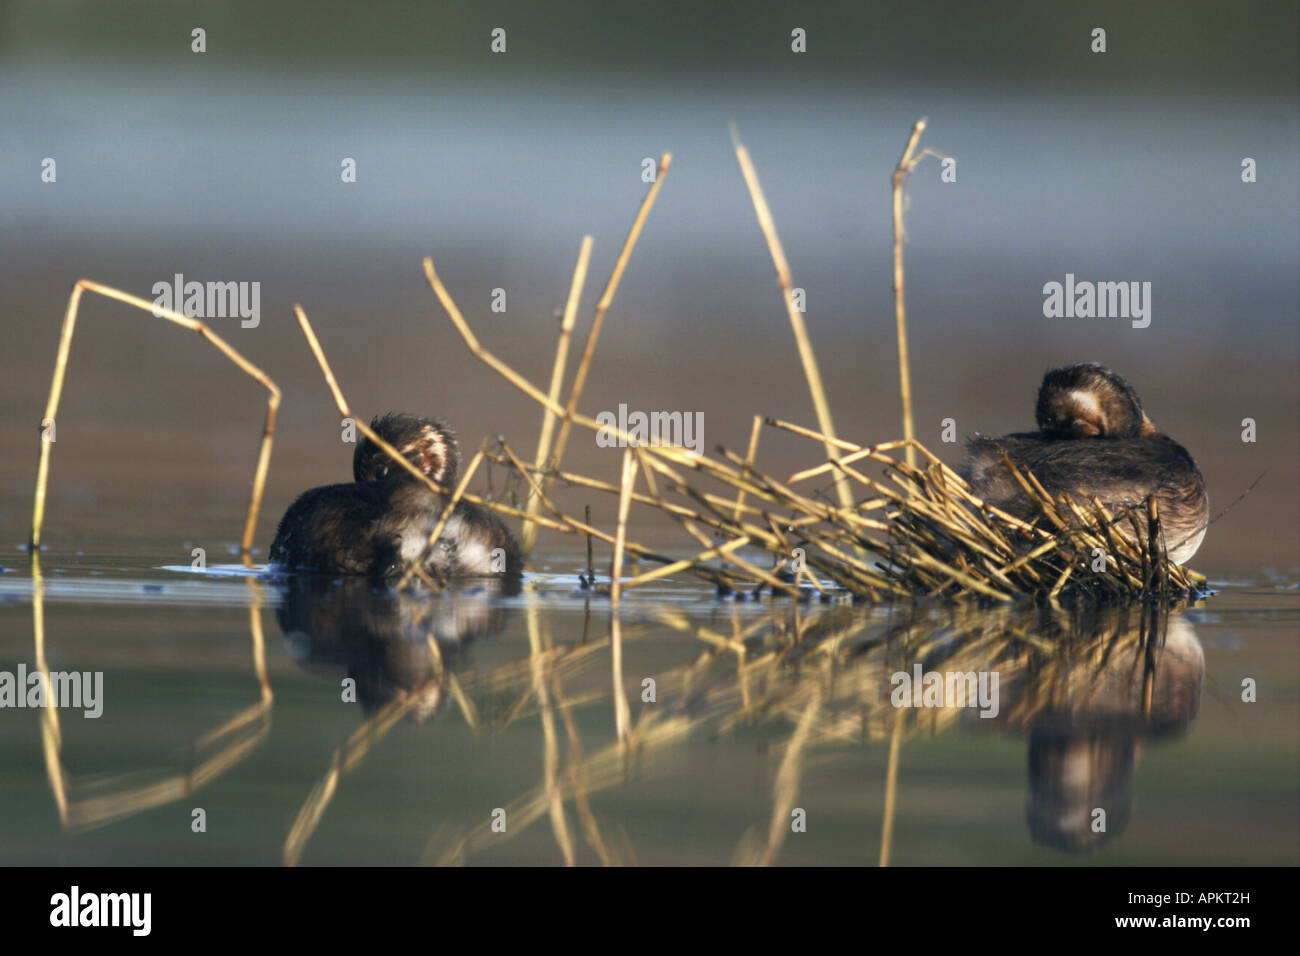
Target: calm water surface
point(226, 694)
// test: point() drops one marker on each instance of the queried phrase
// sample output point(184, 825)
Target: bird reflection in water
point(1089, 692)
point(1088, 688)
point(398, 646)
point(1087, 728)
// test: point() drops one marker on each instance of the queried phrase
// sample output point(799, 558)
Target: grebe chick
point(383, 519)
point(1094, 439)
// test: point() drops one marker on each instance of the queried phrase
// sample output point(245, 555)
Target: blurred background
point(226, 166)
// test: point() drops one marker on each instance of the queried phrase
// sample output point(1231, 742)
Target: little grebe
point(383, 519)
point(1094, 439)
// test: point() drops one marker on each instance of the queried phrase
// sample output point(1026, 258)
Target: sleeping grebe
point(1095, 439)
point(383, 519)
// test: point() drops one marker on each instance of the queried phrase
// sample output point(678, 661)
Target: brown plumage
point(1094, 439)
point(383, 519)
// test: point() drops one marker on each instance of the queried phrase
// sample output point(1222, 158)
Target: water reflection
point(88, 801)
point(393, 645)
point(1087, 725)
point(1087, 688)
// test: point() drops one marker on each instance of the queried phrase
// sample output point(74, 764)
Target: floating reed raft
point(913, 532)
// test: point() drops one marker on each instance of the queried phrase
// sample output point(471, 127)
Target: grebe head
point(430, 446)
point(1089, 401)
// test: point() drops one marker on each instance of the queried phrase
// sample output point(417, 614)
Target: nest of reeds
point(912, 531)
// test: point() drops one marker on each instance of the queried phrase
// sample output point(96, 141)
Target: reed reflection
point(400, 647)
point(1087, 688)
point(88, 801)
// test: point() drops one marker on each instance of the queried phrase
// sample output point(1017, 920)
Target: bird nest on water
point(915, 531)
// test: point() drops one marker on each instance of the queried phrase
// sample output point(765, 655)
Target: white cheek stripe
point(1086, 401)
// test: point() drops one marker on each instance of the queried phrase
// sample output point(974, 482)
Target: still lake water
point(224, 693)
